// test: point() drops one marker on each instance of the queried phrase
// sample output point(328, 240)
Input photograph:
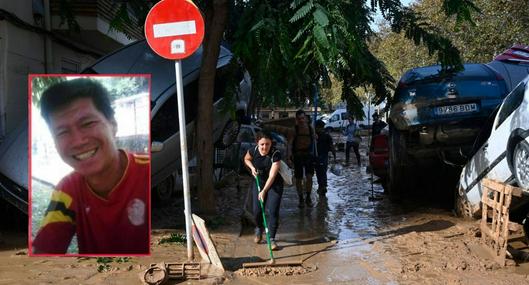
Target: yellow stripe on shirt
point(61, 197)
point(141, 156)
point(55, 217)
point(141, 159)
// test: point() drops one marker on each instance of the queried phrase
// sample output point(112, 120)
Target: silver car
point(138, 58)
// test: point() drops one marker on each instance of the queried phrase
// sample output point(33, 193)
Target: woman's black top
point(263, 164)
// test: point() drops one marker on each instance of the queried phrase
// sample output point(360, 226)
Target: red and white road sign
point(174, 29)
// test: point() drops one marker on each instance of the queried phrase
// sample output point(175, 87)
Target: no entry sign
point(174, 29)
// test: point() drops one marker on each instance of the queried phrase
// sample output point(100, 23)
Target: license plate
point(456, 109)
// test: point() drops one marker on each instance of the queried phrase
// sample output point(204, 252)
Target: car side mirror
point(156, 146)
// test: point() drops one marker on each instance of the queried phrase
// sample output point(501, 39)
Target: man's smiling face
point(84, 137)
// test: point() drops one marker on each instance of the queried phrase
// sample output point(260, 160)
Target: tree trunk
point(216, 14)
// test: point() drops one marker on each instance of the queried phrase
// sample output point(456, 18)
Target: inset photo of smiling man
point(89, 165)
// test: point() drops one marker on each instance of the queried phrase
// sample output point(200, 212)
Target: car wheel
point(521, 164)
point(164, 191)
point(397, 170)
point(461, 205)
point(229, 134)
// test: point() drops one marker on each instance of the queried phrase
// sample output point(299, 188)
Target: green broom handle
point(264, 219)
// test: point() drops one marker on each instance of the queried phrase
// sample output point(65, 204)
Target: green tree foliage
point(500, 24)
point(497, 26)
point(289, 45)
point(398, 53)
point(332, 95)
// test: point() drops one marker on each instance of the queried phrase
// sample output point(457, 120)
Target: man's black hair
point(64, 93)
point(320, 124)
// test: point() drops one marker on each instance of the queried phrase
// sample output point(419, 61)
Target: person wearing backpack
point(301, 154)
point(264, 162)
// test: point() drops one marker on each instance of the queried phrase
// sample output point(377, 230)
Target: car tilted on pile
point(501, 152)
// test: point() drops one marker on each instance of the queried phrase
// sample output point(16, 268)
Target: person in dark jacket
point(324, 145)
point(378, 125)
point(264, 162)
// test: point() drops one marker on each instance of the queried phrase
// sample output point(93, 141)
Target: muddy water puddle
point(335, 235)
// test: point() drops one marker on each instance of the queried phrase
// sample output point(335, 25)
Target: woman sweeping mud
point(264, 162)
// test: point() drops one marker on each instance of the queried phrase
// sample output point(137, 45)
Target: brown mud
point(343, 239)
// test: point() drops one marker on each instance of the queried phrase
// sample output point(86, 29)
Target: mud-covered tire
point(462, 206)
point(397, 170)
point(229, 134)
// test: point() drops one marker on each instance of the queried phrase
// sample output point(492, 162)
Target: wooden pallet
point(496, 201)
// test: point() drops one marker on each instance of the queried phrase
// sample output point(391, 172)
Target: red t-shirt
point(118, 224)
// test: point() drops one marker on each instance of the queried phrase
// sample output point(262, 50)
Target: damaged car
point(14, 168)
point(231, 80)
point(501, 153)
point(435, 114)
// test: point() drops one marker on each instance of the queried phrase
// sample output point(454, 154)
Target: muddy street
point(347, 238)
point(344, 238)
point(353, 240)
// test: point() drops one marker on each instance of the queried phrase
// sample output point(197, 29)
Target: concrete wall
point(22, 52)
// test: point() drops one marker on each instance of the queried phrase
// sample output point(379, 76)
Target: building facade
point(35, 39)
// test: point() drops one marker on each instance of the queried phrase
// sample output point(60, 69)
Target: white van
point(337, 120)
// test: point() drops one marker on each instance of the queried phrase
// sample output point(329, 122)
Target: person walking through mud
point(264, 161)
point(324, 145)
point(376, 128)
point(353, 140)
point(378, 125)
point(301, 154)
point(105, 200)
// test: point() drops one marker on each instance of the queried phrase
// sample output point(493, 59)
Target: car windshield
point(435, 72)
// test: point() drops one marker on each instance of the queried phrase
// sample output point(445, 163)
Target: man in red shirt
point(105, 200)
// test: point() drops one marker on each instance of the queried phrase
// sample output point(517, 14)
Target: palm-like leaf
point(301, 42)
point(302, 11)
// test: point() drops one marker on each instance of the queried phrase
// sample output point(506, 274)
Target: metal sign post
point(183, 155)
point(174, 29)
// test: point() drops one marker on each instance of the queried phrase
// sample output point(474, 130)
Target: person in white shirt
point(353, 140)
